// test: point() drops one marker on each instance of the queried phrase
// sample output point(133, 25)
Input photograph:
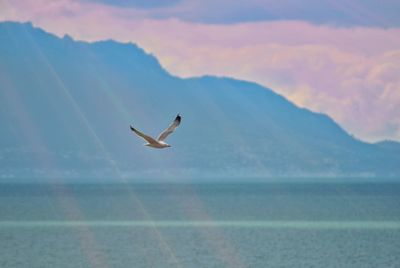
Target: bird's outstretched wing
point(170, 129)
point(144, 136)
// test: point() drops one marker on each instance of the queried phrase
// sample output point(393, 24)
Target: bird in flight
point(159, 142)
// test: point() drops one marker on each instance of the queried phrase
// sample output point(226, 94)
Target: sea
point(200, 225)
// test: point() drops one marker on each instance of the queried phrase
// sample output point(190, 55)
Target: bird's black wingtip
point(132, 128)
point(178, 117)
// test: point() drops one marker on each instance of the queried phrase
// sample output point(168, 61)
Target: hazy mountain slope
point(66, 107)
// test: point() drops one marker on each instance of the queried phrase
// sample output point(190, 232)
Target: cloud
point(349, 73)
point(333, 12)
point(138, 3)
point(370, 13)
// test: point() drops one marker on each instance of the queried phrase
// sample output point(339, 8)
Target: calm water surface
point(200, 225)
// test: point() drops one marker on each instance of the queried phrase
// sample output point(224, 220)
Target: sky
point(339, 57)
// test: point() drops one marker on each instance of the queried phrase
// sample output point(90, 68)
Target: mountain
point(390, 145)
point(66, 107)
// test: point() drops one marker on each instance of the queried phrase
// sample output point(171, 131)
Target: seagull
point(159, 142)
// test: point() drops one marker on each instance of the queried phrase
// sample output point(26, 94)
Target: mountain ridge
point(79, 98)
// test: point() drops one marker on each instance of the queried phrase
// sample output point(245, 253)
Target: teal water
point(200, 225)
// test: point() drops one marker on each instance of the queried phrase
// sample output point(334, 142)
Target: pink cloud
point(349, 73)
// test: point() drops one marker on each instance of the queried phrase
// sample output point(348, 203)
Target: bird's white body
point(159, 142)
point(158, 145)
